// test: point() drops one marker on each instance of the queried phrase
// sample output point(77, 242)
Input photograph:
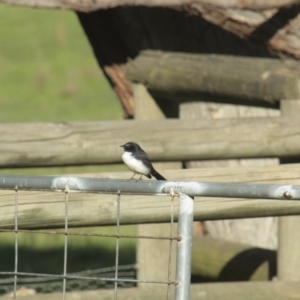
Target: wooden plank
point(206, 291)
point(220, 260)
point(192, 75)
point(46, 210)
point(289, 238)
point(46, 144)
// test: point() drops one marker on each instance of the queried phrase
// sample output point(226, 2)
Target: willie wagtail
point(137, 160)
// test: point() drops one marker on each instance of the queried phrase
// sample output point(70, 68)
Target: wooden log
point(145, 106)
point(88, 6)
point(150, 253)
point(288, 250)
point(192, 75)
point(220, 260)
point(38, 210)
point(289, 238)
point(207, 291)
point(46, 144)
point(122, 88)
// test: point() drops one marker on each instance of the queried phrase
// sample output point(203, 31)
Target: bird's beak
point(122, 146)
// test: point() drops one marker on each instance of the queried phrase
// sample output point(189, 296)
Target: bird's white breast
point(135, 165)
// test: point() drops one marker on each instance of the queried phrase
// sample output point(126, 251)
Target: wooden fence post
point(152, 255)
point(289, 236)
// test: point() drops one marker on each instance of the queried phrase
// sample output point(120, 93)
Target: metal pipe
point(184, 247)
point(203, 189)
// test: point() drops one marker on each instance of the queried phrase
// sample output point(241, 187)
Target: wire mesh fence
point(48, 284)
point(116, 277)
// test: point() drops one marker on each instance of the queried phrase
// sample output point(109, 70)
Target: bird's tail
point(157, 175)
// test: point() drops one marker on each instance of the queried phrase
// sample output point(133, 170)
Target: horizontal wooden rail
point(183, 75)
point(39, 210)
point(48, 144)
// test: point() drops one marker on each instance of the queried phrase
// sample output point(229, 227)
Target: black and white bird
point(137, 160)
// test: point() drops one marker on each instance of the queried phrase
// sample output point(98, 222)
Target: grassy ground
point(48, 73)
point(44, 253)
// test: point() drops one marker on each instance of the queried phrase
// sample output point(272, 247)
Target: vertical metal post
point(170, 244)
point(16, 242)
point(184, 247)
point(66, 241)
point(117, 246)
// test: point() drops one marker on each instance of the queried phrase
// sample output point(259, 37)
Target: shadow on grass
point(52, 261)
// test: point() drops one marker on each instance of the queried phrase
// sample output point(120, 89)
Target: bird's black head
point(131, 147)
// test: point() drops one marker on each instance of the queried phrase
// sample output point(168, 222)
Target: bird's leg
point(141, 177)
point(132, 176)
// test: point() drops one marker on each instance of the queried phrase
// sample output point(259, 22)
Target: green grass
point(48, 73)
point(44, 253)
point(52, 241)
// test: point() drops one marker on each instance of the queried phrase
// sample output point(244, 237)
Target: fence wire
point(114, 277)
point(120, 276)
point(45, 283)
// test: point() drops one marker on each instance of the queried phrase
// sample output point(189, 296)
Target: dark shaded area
point(269, 28)
point(289, 160)
point(243, 265)
point(52, 262)
point(121, 33)
point(176, 98)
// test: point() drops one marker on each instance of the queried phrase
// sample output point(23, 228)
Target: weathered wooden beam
point(289, 239)
point(220, 260)
point(149, 253)
point(87, 6)
point(46, 144)
point(206, 291)
point(145, 107)
point(192, 75)
point(47, 210)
